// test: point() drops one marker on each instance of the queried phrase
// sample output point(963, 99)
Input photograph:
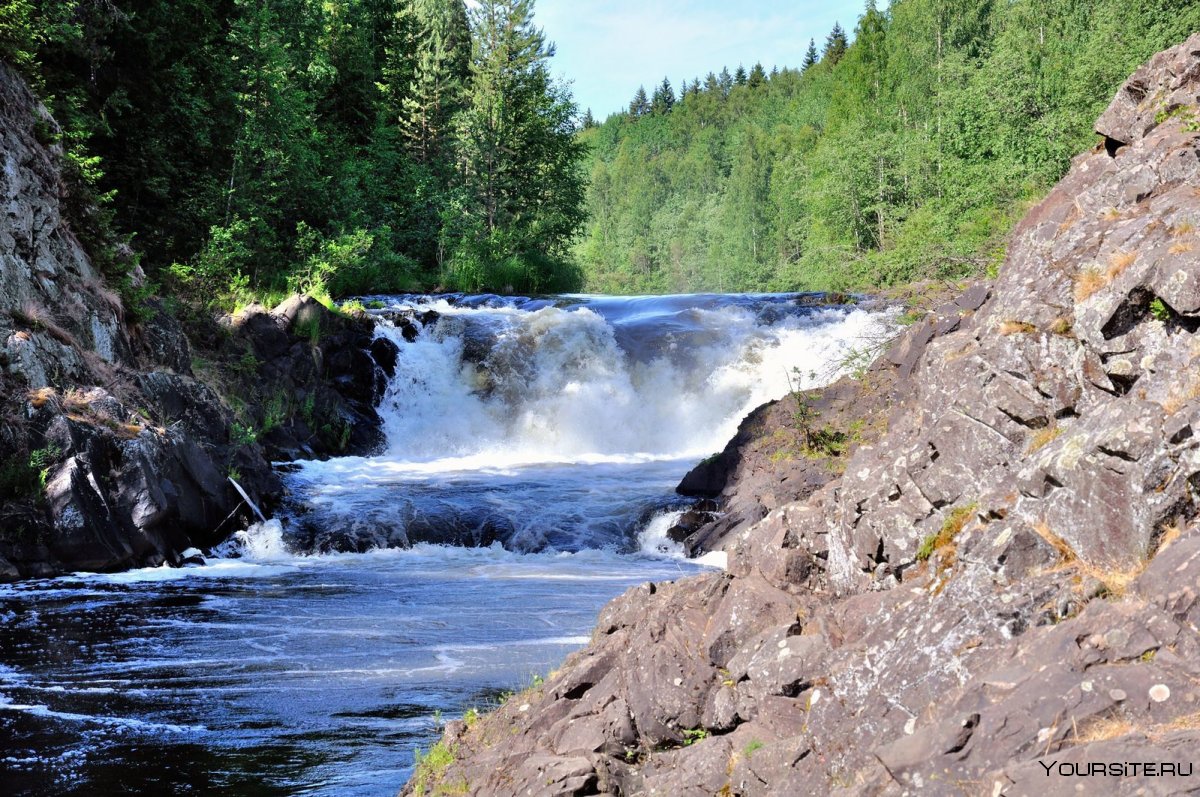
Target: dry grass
point(1103, 730)
point(35, 316)
point(1061, 326)
point(1180, 395)
point(1182, 247)
point(1182, 228)
point(1170, 533)
point(1066, 553)
point(1044, 437)
point(108, 297)
point(1115, 579)
point(42, 396)
point(1110, 213)
point(1087, 282)
point(1118, 262)
point(1017, 328)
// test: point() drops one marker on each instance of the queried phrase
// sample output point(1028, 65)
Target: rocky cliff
point(1001, 587)
point(115, 453)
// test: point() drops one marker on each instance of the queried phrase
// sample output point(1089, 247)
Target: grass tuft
point(1088, 281)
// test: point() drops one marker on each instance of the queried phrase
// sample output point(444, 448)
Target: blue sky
point(607, 48)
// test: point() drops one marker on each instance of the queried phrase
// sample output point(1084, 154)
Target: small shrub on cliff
point(955, 522)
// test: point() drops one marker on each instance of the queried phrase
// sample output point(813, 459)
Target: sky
point(607, 48)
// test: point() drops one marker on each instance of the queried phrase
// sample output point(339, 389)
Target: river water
point(533, 449)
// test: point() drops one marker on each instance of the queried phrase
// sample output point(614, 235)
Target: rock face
point(1003, 580)
point(116, 453)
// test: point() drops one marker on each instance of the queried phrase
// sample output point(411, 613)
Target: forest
point(907, 153)
point(233, 150)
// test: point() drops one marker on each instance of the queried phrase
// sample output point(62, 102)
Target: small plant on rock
point(956, 520)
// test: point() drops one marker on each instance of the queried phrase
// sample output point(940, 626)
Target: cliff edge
point(120, 439)
point(1000, 589)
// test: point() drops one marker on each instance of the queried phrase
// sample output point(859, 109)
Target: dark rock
point(386, 354)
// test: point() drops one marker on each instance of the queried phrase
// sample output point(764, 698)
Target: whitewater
point(533, 447)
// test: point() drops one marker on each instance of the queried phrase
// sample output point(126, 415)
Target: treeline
point(249, 146)
point(906, 154)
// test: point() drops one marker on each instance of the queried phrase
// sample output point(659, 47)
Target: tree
point(810, 57)
point(739, 76)
point(758, 76)
point(835, 45)
point(523, 188)
point(664, 98)
point(640, 106)
point(725, 80)
point(440, 73)
point(589, 121)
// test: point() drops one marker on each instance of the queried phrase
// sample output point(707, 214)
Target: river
point(528, 478)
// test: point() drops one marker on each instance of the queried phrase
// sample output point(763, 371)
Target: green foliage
point(692, 736)
point(243, 434)
point(752, 747)
point(22, 478)
point(1159, 310)
point(325, 146)
point(954, 523)
point(431, 767)
point(906, 155)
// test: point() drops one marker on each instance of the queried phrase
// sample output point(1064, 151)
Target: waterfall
point(564, 423)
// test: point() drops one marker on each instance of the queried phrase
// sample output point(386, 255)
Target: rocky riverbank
point(994, 585)
point(122, 437)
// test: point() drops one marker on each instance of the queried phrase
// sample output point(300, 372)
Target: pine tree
point(739, 77)
point(589, 121)
point(640, 106)
point(835, 45)
point(711, 84)
point(810, 57)
point(758, 76)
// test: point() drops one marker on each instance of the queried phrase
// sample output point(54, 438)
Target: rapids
point(533, 449)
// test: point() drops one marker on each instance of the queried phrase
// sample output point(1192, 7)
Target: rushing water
point(533, 449)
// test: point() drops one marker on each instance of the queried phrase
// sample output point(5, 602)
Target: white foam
point(555, 386)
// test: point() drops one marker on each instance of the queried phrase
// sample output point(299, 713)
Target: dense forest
point(244, 147)
point(237, 148)
point(906, 154)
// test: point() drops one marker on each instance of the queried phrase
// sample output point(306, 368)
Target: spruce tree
point(725, 80)
point(664, 98)
point(758, 76)
point(739, 77)
point(835, 45)
point(518, 152)
point(440, 73)
point(640, 106)
point(810, 57)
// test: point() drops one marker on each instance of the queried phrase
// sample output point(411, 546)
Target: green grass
point(431, 769)
point(954, 523)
